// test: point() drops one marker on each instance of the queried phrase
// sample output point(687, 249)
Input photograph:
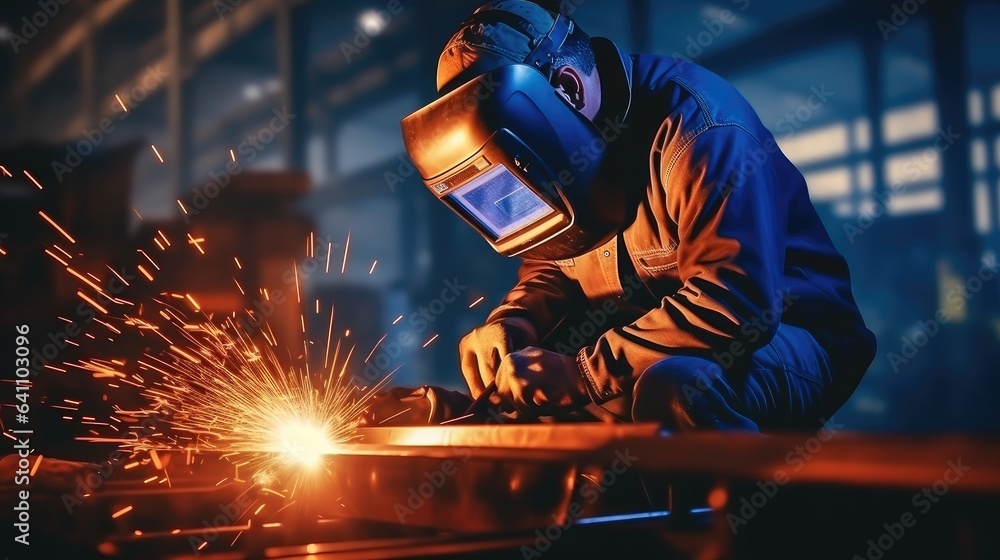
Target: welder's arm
point(730, 258)
point(543, 295)
point(529, 312)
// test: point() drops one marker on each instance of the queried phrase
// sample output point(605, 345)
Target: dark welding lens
point(499, 202)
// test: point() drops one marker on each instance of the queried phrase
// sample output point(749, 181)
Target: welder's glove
point(400, 406)
point(536, 382)
point(482, 350)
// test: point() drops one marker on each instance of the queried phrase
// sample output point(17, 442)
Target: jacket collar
point(615, 68)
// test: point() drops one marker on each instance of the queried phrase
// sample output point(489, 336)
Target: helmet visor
point(500, 203)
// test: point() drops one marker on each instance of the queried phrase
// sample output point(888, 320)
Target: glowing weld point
point(302, 442)
point(157, 152)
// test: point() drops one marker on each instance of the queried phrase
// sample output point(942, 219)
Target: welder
point(674, 269)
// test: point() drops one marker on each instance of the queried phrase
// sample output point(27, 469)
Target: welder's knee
point(686, 393)
point(667, 389)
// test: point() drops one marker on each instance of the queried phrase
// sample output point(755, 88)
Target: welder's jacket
point(724, 243)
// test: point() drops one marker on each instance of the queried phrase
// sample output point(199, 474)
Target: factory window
point(913, 122)
point(912, 170)
point(814, 104)
point(996, 101)
point(982, 19)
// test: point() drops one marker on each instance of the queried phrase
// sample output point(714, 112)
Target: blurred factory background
point(277, 118)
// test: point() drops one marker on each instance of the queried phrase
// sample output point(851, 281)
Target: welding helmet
point(506, 152)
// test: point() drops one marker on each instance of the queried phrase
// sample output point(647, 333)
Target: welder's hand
point(481, 351)
point(536, 382)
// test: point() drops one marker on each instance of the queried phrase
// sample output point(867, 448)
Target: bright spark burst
point(217, 389)
point(225, 393)
point(208, 381)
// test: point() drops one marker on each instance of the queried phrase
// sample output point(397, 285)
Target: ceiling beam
point(41, 65)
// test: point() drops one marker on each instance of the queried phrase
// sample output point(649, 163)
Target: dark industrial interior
point(247, 154)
